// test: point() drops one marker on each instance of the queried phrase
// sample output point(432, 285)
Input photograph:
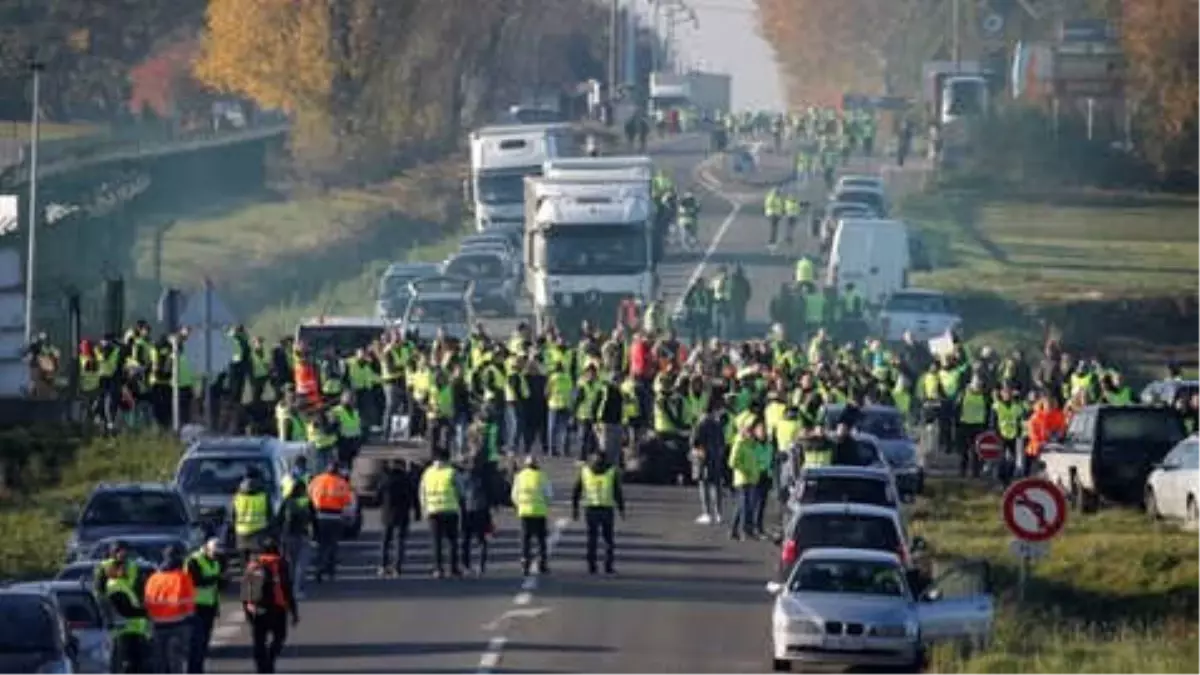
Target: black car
point(34, 637)
point(131, 509)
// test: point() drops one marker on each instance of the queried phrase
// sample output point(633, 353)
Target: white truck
point(588, 245)
point(501, 157)
point(706, 92)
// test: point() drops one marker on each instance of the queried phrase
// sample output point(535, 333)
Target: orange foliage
point(154, 82)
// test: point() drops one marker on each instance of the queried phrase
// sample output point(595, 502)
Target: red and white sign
point(1034, 509)
point(989, 446)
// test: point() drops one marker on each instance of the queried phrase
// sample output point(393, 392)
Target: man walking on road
point(441, 504)
point(267, 601)
point(330, 495)
point(171, 604)
point(531, 494)
point(204, 566)
point(397, 499)
point(600, 489)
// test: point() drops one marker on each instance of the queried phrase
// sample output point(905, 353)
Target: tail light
point(788, 554)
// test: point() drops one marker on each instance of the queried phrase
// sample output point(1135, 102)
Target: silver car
point(858, 608)
point(89, 620)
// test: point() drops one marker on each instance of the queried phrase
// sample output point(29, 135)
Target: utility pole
point(614, 37)
point(956, 32)
point(35, 134)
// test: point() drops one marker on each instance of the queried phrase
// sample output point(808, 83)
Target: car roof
point(408, 267)
point(876, 189)
point(874, 407)
point(232, 445)
point(847, 508)
point(143, 486)
point(911, 290)
point(840, 553)
point(845, 471)
point(134, 538)
point(480, 252)
point(52, 586)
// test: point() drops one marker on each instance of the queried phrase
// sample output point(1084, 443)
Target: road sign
point(992, 25)
point(1034, 509)
point(989, 446)
point(1029, 550)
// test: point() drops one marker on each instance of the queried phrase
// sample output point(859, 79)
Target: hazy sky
point(727, 41)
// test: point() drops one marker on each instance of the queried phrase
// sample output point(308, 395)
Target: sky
point(727, 41)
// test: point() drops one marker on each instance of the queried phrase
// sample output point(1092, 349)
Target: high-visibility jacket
point(320, 439)
point(304, 376)
point(349, 421)
point(529, 493)
point(1122, 396)
point(805, 272)
point(743, 461)
point(170, 596)
point(974, 409)
point(287, 424)
point(210, 575)
point(439, 494)
point(260, 365)
point(330, 494)
point(251, 512)
point(1008, 419)
point(599, 489)
point(558, 391)
point(137, 625)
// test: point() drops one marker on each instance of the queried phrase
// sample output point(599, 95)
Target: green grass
point(47, 131)
point(31, 539)
point(1116, 593)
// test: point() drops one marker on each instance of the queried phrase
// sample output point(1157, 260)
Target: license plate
point(844, 643)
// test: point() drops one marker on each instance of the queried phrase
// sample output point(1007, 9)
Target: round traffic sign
point(989, 446)
point(993, 24)
point(1034, 509)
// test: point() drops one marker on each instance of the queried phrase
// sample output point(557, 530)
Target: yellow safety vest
point(785, 432)
point(1008, 419)
point(251, 513)
point(438, 489)
point(89, 377)
point(320, 439)
point(349, 421)
point(598, 488)
point(950, 379)
point(558, 391)
point(206, 592)
point(260, 367)
point(287, 424)
point(530, 487)
point(441, 405)
point(817, 455)
point(974, 408)
point(134, 626)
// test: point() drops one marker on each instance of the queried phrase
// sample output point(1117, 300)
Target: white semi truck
point(589, 242)
point(501, 157)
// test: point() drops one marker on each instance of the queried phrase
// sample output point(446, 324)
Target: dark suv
point(34, 637)
point(131, 509)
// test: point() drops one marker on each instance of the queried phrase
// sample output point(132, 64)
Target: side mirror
point(774, 587)
point(918, 544)
point(69, 517)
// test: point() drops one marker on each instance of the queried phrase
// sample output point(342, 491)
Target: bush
point(31, 539)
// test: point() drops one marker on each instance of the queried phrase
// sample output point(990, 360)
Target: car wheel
point(781, 665)
point(1150, 504)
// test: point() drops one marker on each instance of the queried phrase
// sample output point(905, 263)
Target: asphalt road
point(686, 598)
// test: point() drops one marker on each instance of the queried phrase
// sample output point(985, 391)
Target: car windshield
point(848, 576)
point(476, 267)
point(396, 285)
point(426, 310)
point(26, 625)
point(79, 609)
point(885, 425)
point(591, 249)
point(507, 187)
point(218, 475)
point(1146, 426)
point(845, 489)
point(916, 303)
point(843, 210)
point(846, 530)
point(344, 340)
point(138, 549)
point(868, 198)
point(134, 507)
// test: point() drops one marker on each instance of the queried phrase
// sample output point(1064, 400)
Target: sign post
point(1034, 511)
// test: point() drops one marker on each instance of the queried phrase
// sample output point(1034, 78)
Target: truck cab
point(501, 157)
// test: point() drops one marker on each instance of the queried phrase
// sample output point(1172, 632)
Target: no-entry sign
point(989, 446)
point(1034, 509)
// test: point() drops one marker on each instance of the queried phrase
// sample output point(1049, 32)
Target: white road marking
point(714, 186)
point(523, 598)
point(491, 657)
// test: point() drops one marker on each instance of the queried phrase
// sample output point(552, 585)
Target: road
point(686, 598)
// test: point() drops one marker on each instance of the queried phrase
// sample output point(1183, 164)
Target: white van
point(872, 255)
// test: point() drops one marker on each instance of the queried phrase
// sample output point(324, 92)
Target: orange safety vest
point(271, 562)
point(170, 596)
point(305, 377)
point(329, 492)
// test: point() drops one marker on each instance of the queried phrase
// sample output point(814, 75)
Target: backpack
point(258, 584)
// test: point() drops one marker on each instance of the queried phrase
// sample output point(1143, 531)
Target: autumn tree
point(371, 82)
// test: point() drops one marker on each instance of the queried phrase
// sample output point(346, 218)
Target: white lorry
point(706, 92)
point(589, 242)
point(501, 157)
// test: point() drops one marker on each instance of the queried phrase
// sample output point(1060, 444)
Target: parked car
point(129, 510)
point(1108, 452)
point(845, 484)
point(846, 525)
point(924, 313)
point(1174, 483)
point(393, 292)
point(88, 618)
point(34, 637)
point(495, 286)
point(884, 426)
point(863, 609)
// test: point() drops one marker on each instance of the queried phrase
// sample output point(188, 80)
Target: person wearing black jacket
point(599, 487)
point(609, 417)
point(297, 522)
point(268, 616)
point(397, 499)
point(477, 510)
point(537, 413)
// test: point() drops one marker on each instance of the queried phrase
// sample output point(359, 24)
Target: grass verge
point(1108, 273)
point(31, 539)
point(1116, 593)
point(47, 131)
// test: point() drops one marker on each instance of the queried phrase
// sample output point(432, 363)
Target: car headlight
point(799, 626)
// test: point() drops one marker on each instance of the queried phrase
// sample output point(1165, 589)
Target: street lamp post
point(35, 68)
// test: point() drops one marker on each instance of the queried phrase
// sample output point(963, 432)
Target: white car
point(924, 313)
point(1173, 485)
point(858, 608)
point(851, 181)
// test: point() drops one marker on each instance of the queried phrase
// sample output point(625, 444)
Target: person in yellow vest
point(131, 634)
point(251, 514)
point(773, 209)
point(1008, 416)
point(1114, 391)
point(260, 370)
point(288, 425)
point(205, 568)
point(321, 432)
point(441, 504)
point(792, 208)
point(560, 386)
point(599, 488)
point(744, 462)
point(349, 429)
point(974, 407)
point(531, 495)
